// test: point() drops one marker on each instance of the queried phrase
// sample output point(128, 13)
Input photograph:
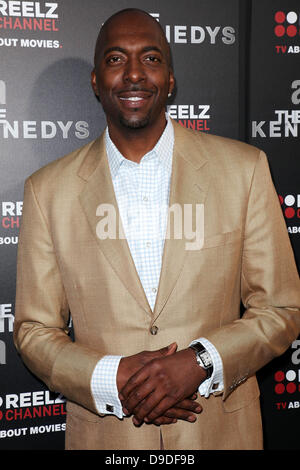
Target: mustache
point(135, 88)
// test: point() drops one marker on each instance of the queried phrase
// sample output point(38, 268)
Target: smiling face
point(132, 74)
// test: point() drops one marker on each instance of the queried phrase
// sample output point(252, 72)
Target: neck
point(135, 143)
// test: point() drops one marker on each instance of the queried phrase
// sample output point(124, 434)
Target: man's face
point(132, 76)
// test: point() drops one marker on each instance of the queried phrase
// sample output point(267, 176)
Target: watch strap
point(203, 358)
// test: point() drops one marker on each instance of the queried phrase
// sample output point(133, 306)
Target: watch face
point(206, 358)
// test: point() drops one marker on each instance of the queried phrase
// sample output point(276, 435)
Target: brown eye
point(113, 60)
point(152, 58)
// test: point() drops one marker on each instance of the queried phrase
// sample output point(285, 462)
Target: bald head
point(132, 17)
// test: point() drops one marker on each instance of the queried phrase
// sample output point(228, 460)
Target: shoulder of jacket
point(225, 148)
point(217, 149)
point(62, 169)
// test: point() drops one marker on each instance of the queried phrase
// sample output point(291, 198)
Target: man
point(131, 296)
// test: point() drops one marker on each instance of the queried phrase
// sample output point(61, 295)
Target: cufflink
point(109, 408)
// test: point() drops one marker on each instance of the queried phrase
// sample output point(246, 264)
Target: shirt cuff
point(104, 386)
point(214, 383)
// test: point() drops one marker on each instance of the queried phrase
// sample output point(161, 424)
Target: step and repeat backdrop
point(237, 74)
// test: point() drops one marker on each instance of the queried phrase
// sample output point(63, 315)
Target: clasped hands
point(160, 386)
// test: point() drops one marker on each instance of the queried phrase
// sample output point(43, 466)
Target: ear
point(94, 82)
point(171, 82)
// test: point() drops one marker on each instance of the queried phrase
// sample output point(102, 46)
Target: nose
point(134, 71)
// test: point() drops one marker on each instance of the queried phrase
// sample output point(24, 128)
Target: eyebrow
point(120, 49)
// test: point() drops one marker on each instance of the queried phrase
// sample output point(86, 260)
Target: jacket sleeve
point(270, 288)
point(41, 332)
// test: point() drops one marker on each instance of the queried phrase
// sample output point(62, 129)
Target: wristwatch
point(203, 358)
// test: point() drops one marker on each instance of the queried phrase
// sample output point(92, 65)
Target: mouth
point(134, 99)
point(131, 98)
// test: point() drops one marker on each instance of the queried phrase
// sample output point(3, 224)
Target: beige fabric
point(62, 265)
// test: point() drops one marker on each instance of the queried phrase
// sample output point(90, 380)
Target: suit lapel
point(189, 185)
point(99, 190)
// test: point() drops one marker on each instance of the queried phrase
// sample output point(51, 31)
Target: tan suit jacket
point(63, 265)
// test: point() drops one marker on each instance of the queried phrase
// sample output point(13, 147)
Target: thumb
point(169, 350)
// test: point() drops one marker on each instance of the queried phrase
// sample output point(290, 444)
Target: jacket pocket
point(221, 239)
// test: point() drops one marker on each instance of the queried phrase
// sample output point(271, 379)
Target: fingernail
point(125, 411)
point(198, 409)
point(136, 422)
point(191, 419)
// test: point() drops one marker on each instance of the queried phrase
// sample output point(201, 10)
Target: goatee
point(134, 123)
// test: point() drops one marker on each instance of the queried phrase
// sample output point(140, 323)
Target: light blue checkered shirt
point(142, 193)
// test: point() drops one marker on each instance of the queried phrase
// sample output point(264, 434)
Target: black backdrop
point(237, 72)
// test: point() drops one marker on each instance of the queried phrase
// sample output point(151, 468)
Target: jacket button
point(154, 330)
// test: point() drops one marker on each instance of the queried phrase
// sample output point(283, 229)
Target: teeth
point(132, 98)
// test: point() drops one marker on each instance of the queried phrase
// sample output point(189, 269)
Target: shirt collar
point(163, 150)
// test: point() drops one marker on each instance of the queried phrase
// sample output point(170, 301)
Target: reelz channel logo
point(196, 117)
point(10, 215)
point(36, 16)
point(287, 27)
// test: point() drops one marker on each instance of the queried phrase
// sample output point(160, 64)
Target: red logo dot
point(289, 212)
point(291, 30)
point(279, 30)
point(291, 387)
point(279, 17)
point(279, 389)
point(279, 376)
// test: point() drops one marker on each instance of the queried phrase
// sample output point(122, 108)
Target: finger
point(193, 397)
point(162, 420)
point(151, 402)
point(142, 374)
point(165, 351)
point(158, 421)
point(148, 356)
point(189, 405)
point(135, 380)
point(146, 406)
point(181, 414)
point(184, 410)
point(158, 410)
point(171, 349)
point(137, 400)
point(136, 421)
